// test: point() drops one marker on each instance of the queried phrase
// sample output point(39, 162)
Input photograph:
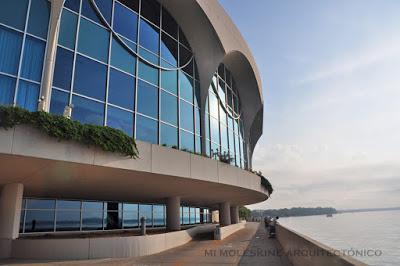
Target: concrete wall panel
point(6, 137)
point(170, 161)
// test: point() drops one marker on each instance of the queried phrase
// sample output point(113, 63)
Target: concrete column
point(50, 59)
point(224, 213)
point(235, 214)
point(10, 210)
point(173, 214)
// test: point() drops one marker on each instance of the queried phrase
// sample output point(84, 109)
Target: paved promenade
point(249, 246)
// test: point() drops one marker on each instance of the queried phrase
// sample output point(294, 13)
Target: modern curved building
point(175, 75)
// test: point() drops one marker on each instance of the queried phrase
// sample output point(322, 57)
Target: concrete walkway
point(249, 246)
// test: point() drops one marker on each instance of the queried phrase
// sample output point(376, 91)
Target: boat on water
point(329, 215)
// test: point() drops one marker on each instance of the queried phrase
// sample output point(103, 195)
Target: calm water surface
point(363, 230)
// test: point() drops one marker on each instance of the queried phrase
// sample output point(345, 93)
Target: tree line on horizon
point(296, 211)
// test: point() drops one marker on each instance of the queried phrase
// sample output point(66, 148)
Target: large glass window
point(48, 215)
point(138, 90)
point(223, 119)
point(23, 34)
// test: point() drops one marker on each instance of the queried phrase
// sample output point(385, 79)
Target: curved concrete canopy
point(215, 39)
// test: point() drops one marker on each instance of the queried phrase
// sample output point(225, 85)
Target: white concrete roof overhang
point(69, 170)
point(215, 39)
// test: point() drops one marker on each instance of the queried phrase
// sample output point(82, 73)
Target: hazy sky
point(331, 77)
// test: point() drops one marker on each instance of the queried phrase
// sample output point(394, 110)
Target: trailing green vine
point(106, 138)
point(264, 182)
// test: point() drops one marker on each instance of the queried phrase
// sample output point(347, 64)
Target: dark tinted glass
point(39, 221)
point(125, 22)
point(87, 111)
point(63, 69)
point(184, 57)
point(90, 78)
point(169, 49)
point(32, 63)
point(105, 7)
point(169, 135)
point(39, 18)
point(28, 95)
point(149, 36)
point(151, 10)
point(13, 13)
point(169, 108)
point(7, 86)
point(146, 129)
point(93, 40)
point(68, 204)
point(68, 220)
point(120, 119)
point(147, 99)
point(59, 100)
point(68, 25)
point(169, 24)
point(132, 4)
point(182, 39)
point(113, 220)
point(121, 90)
point(72, 4)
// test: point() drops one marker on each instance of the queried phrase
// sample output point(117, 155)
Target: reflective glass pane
point(104, 6)
point(72, 4)
point(13, 13)
point(68, 220)
point(63, 69)
point(148, 73)
point(32, 64)
point(68, 205)
point(187, 141)
point(59, 100)
point(129, 207)
point(169, 136)
point(169, 49)
point(68, 26)
point(159, 215)
point(197, 147)
point(93, 40)
point(197, 94)
point(147, 99)
point(184, 59)
point(39, 18)
point(120, 119)
point(130, 219)
point(146, 129)
point(150, 9)
point(185, 215)
point(121, 90)
point(92, 220)
point(92, 205)
point(186, 116)
point(197, 215)
point(113, 220)
point(122, 59)
point(169, 108)
point(149, 56)
point(7, 88)
point(87, 111)
point(90, 78)
point(169, 81)
point(207, 126)
point(214, 105)
point(192, 215)
point(146, 211)
point(28, 95)
point(169, 24)
point(149, 36)
point(40, 204)
point(224, 136)
point(182, 39)
point(198, 121)
point(39, 221)
point(186, 87)
point(125, 21)
point(10, 50)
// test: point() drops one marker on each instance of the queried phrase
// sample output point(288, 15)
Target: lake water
point(378, 231)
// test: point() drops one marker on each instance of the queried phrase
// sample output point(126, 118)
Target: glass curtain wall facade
point(50, 215)
point(150, 91)
point(23, 38)
point(224, 129)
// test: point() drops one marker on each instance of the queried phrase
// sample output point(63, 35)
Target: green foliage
point(264, 181)
point(244, 213)
point(106, 138)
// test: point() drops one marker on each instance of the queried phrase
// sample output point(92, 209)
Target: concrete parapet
point(225, 231)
